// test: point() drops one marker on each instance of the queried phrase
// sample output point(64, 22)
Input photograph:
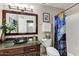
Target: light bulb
point(32, 7)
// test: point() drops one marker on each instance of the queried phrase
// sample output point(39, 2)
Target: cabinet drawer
point(11, 51)
point(30, 48)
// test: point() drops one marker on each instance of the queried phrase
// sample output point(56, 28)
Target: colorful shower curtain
point(60, 34)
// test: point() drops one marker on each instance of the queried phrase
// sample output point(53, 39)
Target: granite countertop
point(2, 45)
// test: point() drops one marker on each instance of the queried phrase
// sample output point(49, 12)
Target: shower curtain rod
point(68, 8)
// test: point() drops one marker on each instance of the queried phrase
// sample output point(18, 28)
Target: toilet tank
point(47, 42)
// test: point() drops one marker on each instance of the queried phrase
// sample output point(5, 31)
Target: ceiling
point(59, 5)
point(65, 6)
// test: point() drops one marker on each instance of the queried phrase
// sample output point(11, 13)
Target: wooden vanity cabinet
point(12, 52)
point(32, 50)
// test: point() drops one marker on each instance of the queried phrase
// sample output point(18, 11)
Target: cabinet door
point(32, 50)
point(28, 49)
point(11, 52)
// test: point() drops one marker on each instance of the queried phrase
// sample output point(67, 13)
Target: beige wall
point(40, 9)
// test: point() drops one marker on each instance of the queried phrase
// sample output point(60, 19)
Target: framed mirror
point(20, 23)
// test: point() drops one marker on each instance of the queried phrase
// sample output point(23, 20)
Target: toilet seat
point(51, 51)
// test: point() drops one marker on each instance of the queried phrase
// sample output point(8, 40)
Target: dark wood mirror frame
point(21, 13)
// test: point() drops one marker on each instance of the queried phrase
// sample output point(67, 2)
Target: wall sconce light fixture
point(21, 7)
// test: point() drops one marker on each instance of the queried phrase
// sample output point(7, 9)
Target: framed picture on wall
point(46, 17)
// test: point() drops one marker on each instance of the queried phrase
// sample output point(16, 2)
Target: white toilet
point(51, 51)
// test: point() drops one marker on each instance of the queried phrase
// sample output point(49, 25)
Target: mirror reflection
point(20, 23)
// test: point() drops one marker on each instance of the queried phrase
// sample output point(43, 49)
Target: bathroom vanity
point(24, 49)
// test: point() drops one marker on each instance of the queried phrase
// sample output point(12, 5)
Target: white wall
point(72, 33)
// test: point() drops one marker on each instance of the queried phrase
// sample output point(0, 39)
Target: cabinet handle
point(32, 49)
